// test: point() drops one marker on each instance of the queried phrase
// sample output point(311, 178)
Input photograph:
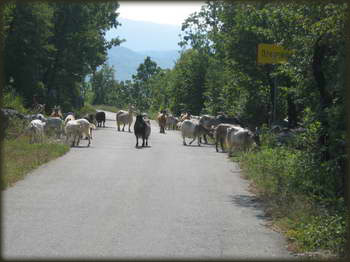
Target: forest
point(51, 47)
point(57, 51)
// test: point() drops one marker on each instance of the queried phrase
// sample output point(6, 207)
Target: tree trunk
point(292, 112)
point(320, 50)
point(270, 105)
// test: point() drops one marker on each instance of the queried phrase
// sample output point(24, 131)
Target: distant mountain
point(126, 61)
point(164, 59)
point(143, 39)
point(141, 36)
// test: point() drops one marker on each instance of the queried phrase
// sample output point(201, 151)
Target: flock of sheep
point(224, 130)
point(74, 129)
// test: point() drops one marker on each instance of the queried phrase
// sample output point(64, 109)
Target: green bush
point(322, 232)
point(87, 109)
point(301, 189)
point(14, 101)
point(272, 169)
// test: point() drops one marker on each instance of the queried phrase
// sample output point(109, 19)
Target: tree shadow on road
point(250, 201)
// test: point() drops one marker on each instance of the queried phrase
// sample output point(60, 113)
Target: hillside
point(143, 39)
point(126, 61)
point(141, 36)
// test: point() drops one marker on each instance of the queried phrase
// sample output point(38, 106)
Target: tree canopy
point(50, 48)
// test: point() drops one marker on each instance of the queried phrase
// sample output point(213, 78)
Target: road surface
point(112, 200)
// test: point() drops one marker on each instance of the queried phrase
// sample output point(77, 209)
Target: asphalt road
point(112, 200)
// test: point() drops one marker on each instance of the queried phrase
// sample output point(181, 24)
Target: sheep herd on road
point(221, 128)
point(225, 131)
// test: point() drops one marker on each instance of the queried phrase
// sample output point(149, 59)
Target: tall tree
point(51, 47)
point(28, 29)
point(141, 87)
point(188, 82)
point(103, 85)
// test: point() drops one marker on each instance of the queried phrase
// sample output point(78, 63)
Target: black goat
point(100, 118)
point(142, 129)
point(90, 118)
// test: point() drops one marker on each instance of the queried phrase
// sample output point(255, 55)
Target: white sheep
point(239, 138)
point(125, 117)
point(192, 129)
point(36, 131)
point(68, 118)
point(171, 122)
point(78, 128)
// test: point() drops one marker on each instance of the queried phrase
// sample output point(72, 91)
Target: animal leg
point(143, 141)
point(192, 140)
point(205, 139)
point(230, 151)
point(184, 141)
point(137, 141)
point(123, 127)
point(78, 141)
point(73, 143)
point(222, 144)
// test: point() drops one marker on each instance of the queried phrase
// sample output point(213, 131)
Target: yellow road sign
point(272, 54)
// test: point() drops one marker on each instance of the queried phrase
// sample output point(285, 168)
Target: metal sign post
point(274, 101)
point(273, 54)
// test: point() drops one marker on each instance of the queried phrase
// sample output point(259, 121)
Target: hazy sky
point(166, 12)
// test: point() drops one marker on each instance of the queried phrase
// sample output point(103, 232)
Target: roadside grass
point(20, 157)
point(312, 224)
point(106, 108)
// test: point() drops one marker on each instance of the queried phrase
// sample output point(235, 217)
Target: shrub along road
point(113, 200)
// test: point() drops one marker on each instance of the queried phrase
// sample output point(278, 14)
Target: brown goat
point(162, 121)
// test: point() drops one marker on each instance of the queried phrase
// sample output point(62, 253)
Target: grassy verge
point(312, 222)
point(20, 157)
